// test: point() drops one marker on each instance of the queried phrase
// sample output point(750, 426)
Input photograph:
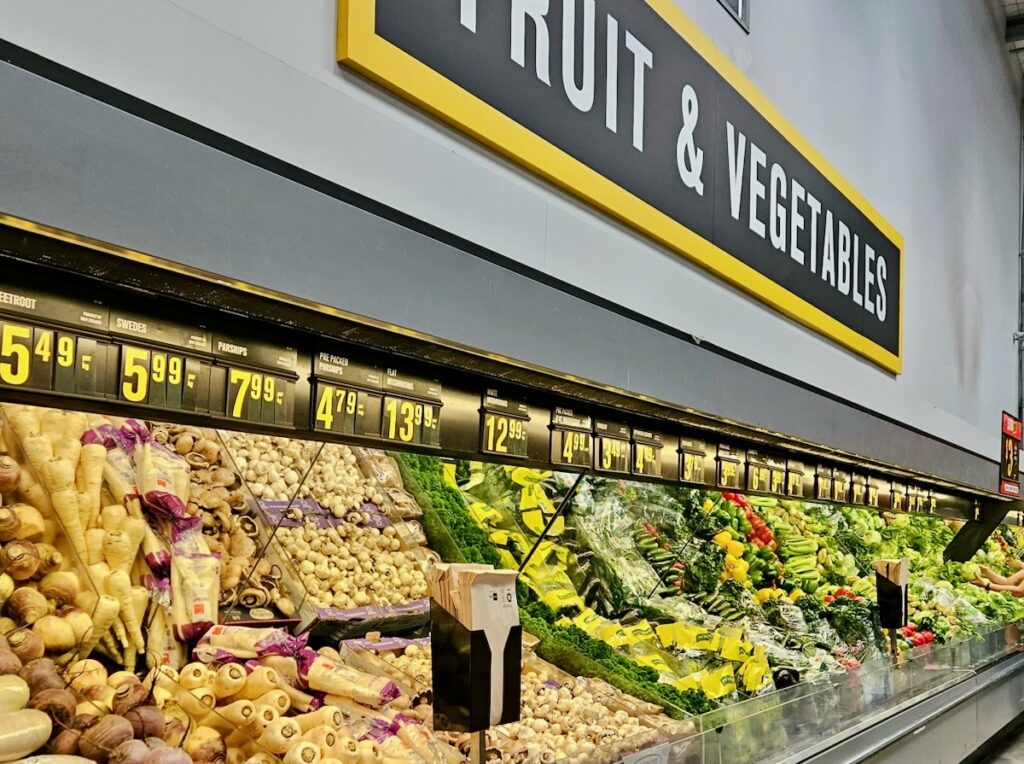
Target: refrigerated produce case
point(690, 588)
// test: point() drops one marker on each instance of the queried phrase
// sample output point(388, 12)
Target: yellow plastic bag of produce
point(485, 516)
point(640, 631)
point(448, 474)
point(610, 633)
point(690, 682)
point(524, 476)
point(680, 636)
point(755, 673)
point(536, 510)
point(735, 649)
point(719, 683)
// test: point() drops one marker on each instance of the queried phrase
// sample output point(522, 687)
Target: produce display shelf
point(878, 712)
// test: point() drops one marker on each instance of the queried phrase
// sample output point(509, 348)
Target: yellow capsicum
point(723, 539)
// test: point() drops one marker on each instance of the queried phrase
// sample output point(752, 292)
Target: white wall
point(914, 102)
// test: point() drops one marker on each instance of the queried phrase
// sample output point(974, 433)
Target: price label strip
point(414, 416)
point(730, 467)
point(162, 379)
point(259, 397)
point(647, 447)
point(879, 493)
point(840, 485)
point(503, 426)
point(572, 439)
point(38, 358)
point(613, 447)
point(411, 422)
point(795, 472)
point(693, 460)
point(347, 396)
point(823, 483)
point(858, 489)
point(899, 498)
point(260, 384)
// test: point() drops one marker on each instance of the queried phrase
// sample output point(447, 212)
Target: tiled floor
point(1012, 752)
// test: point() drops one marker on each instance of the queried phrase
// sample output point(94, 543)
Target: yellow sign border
point(359, 48)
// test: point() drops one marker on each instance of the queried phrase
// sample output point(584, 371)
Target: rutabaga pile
point(83, 712)
point(349, 565)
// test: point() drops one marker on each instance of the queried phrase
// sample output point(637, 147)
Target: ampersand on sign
point(689, 158)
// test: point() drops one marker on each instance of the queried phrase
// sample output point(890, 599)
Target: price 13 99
point(407, 421)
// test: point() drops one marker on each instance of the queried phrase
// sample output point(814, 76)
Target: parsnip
point(120, 632)
point(140, 602)
point(194, 675)
point(24, 421)
point(302, 753)
point(264, 716)
point(110, 647)
point(119, 586)
point(196, 703)
point(323, 738)
point(31, 492)
point(117, 550)
point(38, 451)
point(70, 449)
point(113, 517)
point(104, 613)
point(230, 717)
point(84, 510)
point(280, 735)
point(135, 529)
point(277, 698)
point(90, 480)
point(229, 680)
point(260, 681)
point(300, 701)
point(94, 545)
point(59, 475)
point(65, 504)
point(326, 716)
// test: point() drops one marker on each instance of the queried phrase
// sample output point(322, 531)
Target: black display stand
point(461, 668)
point(893, 604)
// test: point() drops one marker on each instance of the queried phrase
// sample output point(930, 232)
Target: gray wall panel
point(72, 162)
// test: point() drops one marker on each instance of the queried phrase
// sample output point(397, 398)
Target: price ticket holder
point(477, 645)
point(891, 578)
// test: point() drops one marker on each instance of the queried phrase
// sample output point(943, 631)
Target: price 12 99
point(504, 435)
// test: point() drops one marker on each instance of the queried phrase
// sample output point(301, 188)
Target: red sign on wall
point(1009, 459)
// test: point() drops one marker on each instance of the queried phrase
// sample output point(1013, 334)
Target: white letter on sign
point(643, 59)
point(582, 96)
point(536, 10)
point(467, 15)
